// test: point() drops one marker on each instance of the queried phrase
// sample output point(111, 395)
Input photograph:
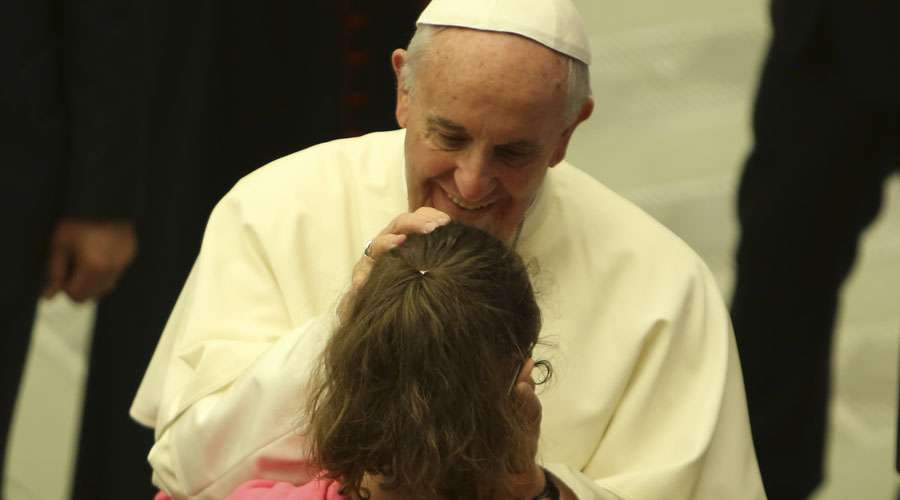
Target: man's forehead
point(555, 24)
point(510, 87)
point(460, 54)
point(451, 40)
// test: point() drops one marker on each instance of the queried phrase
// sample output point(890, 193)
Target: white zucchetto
point(553, 23)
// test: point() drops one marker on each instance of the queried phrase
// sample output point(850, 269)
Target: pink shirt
point(265, 489)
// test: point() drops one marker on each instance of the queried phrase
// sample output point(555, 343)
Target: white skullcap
point(553, 23)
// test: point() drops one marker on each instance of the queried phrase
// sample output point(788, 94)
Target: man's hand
point(87, 257)
point(422, 221)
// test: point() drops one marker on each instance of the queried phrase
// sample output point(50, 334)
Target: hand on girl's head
point(422, 221)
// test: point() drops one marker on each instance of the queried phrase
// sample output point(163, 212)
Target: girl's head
point(414, 386)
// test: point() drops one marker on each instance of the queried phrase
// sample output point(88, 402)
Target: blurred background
point(674, 83)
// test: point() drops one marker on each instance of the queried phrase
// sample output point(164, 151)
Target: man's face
point(483, 124)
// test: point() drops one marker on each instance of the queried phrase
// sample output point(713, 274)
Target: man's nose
point(475, 177)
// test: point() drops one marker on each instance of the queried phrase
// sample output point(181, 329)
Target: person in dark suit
point(827, 136)
point(231, 86)
point(71, 145)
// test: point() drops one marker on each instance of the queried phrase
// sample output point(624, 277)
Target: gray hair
point(578, 80)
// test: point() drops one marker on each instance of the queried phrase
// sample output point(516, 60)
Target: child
point(414, 396)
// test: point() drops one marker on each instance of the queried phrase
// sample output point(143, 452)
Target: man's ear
point(586, 110)
point(398, 61)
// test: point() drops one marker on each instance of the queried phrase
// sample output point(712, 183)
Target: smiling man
point(485, 116)
point(648, 401)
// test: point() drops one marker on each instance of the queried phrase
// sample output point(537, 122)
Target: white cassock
point(647, 400)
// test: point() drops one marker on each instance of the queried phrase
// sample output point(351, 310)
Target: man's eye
point(511, 157)
point(450, 141)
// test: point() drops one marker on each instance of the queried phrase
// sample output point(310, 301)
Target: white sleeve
point(227, 375)
point(246, 430)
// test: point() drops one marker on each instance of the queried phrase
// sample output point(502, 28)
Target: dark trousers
point(811, 185)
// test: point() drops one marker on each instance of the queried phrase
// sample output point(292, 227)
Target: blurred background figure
point(201, 94)
point(230, 86)
point(72, 147)
point(827, 136)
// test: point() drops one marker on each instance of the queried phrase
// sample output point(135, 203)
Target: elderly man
point(649, 401)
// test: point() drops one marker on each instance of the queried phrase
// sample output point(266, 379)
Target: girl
point(415, 394)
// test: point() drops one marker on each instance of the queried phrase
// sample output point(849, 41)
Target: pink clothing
point(265, 489)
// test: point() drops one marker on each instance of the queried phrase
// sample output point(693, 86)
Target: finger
point(57, 263)
point(384, 243)
point(76, 287)
point(81, 288)
point(434, 214)
point(89, 282)
point(417, 223)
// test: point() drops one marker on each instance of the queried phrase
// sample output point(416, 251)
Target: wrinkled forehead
point(494, 60)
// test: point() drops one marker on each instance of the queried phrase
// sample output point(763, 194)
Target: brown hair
point(414, 384)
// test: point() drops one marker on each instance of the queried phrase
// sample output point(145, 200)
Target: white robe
point(647, 401)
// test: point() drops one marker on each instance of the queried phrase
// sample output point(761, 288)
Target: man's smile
point(472, 207)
